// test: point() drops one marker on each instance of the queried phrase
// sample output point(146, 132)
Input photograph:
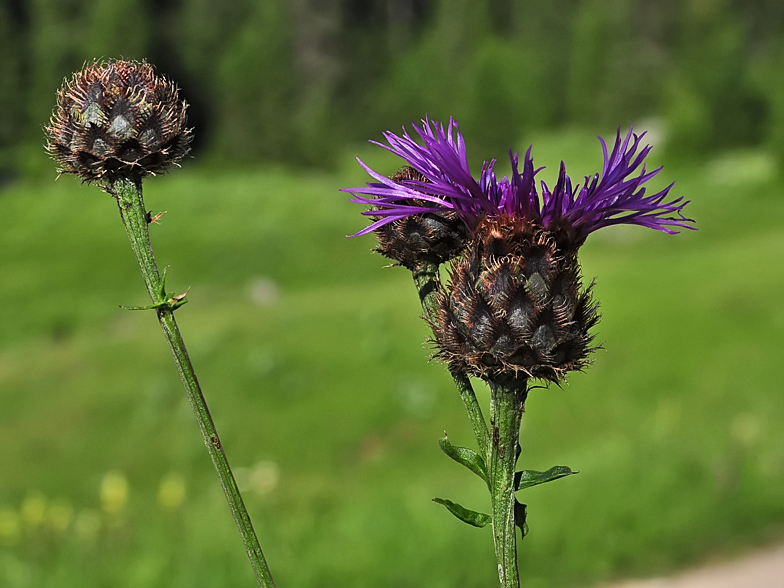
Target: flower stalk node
point(169, 302)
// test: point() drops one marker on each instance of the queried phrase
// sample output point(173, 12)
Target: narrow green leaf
point(528, 478)
point(464, 456)
point(520, 515)
point(473, 518)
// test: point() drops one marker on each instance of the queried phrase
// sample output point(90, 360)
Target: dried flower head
point(117, 119)
point(515, 304)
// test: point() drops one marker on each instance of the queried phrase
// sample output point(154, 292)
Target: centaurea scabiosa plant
point(514, 308)
point(115, 123)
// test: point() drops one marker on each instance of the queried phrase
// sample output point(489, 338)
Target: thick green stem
point(507, 403)
point(428, 283)
point(134, 216)
point(506, 407)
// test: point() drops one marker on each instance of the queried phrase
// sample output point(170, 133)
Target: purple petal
point(615, 197)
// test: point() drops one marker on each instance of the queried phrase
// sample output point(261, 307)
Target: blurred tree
point(615, 69)
point(769, 76)
point(375, 34)
point(202, 31)
point(599, 35)
point(290, 79)
point(516, 75)
point(503, 97)
point(544, 27)
point(252, 94)
point(116, 28)
point(433, 77)
point(402, 17)
point(196, 37)
point(712, 100)
point(11, 90)
point(763, 19)
point(53, 52)
point(316, 68)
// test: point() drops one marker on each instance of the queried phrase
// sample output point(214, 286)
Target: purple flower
point(616, 196)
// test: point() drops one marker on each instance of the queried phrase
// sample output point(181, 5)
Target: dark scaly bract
point(515, 306)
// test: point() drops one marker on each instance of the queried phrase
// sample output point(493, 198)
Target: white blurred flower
point(264, 291)
point(264, 477)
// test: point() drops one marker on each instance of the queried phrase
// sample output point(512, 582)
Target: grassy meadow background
point(310, 351)
point(311, 355)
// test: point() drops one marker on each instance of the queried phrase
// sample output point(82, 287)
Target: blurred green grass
point(312, 359)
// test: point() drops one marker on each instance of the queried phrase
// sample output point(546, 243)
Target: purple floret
point(615, 196)
point(442, 161)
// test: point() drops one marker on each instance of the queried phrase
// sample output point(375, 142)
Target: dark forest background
point(288, 80)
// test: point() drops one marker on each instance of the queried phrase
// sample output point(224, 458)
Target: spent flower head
point(515, 304)
point(117, 119)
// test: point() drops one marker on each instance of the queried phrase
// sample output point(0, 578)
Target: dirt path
point(764, 569)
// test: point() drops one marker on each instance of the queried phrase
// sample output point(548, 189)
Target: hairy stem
point(428, 284)
point(128, 194)
point(506, 406)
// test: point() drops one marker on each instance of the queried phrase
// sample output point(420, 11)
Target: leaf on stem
point(528, 478)
point(473, 518)
point(464, 456)
point(520, 515)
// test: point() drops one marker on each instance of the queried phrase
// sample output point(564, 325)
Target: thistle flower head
point(117, 119)
point(515, 304)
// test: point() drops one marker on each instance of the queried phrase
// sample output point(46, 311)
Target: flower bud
point(117, 119)
point(432, 237)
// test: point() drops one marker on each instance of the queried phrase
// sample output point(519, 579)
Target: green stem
point(428, 284)
point(507, 403)
point(128, 194)
point(474, 411)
